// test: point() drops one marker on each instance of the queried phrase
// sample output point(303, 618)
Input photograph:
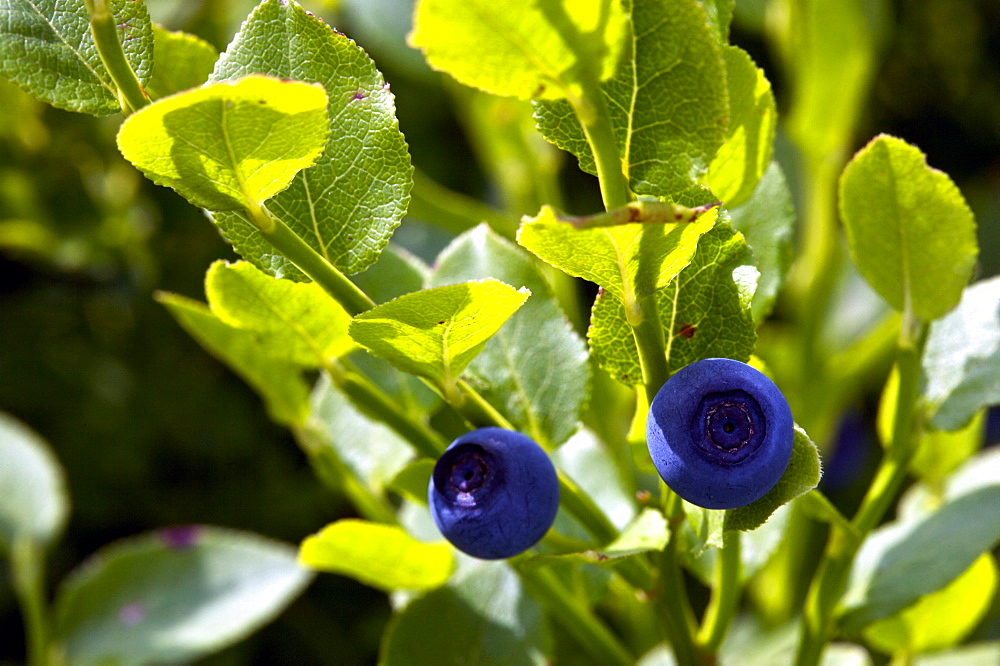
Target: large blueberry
point(720, 433)
point(494, 493)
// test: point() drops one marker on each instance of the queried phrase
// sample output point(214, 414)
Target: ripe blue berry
point(494, 493)
point(720, 433)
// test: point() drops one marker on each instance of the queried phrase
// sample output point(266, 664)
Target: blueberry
point(720, 433)
point(494, 493)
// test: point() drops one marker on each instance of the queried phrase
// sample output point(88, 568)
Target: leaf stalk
point(831, 578)
point(672, 600)
point(131, 95)
point(576, 618)
point(374, 402)
point(725, 594)
point(309, 261)
point(26, 560)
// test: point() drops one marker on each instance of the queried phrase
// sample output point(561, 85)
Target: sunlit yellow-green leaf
point(940, 619)
point(521, 49)
point(229, 145)
point(625, 259)
point(383, 556)
point(436, 332)
point(297, 322)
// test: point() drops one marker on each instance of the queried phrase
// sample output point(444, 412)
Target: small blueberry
point(494, 493)
point(720, 433)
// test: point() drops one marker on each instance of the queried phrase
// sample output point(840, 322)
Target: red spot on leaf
point(687, 331)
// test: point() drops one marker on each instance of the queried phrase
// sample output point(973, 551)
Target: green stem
point(374, 402)
point(576, 618)
point(131, 96)
point(675, 607)
point(725, 595)
point(831, 579)
point(452, 211)
point(592, 113)
point(672, 600)
point(310, 262)
point(589, 105)
point(644, 319)
point(27, 562)
point(475, 409)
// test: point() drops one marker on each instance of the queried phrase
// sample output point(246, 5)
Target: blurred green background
point(152, 431)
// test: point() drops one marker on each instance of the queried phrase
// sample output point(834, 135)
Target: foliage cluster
point(374, 346)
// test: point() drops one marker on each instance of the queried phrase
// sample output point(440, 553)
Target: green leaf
point(590, 464)
point(612, 344)
point(986, 653)
point(941, 619)
point(626, 260)
point(412, 480)
point(819, 508)
point(525, 49)
point(382, 556)
point(801, 476)
point(347, 205)
point(743, 158)
point(182, 61)
point(941, 452)
point(483, 616)
point(435, 333)
point(720, 15)
point(910, 231)
point(277, 382)
point(373, 452)
point(961, 361)
point(34, 502)
point(703, 528)
point(704, 312)
point(534, 370)
point(46, 47)
point(298, 323)
point(174, 595)
point(767, 221)
point(667, 104)
point(648, 532)
point(231, 145)
point(918, 554)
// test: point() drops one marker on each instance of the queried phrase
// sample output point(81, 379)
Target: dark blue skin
point(494, 493)
point(720, 433)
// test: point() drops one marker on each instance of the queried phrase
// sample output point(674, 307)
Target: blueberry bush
point(658, 306)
